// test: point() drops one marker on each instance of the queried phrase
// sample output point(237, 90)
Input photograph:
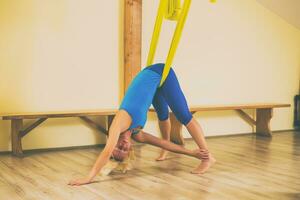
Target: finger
point(203, 150)
point(204, 153)
point(204, 156)
point(76, 183)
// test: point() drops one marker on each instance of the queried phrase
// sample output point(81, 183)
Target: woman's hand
point(81, 181)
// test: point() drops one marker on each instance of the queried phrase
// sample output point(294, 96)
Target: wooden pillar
point(16, 145)
point(132, 39)
point(263, 118)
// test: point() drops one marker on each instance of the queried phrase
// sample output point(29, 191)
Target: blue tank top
point(139, 95)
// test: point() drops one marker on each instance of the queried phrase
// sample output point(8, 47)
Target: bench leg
point(110, 119)
point(263, 118)
point(16, 127)
point(176, 130)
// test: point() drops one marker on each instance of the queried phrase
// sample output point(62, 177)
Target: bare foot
point(204, 166)
point(162, 156)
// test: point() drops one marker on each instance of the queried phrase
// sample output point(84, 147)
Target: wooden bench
point(264, 114)
point(18, 130)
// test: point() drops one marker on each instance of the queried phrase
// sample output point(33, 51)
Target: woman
point(129, 121)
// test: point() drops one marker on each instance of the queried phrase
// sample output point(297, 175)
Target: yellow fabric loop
point(173, 10)
point(170, 10)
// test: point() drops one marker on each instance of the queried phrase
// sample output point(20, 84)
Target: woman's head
point(122, 149)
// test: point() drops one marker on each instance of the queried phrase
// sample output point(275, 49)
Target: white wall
point(58, 55)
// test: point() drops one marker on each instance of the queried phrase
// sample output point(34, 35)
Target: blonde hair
point(123, 166)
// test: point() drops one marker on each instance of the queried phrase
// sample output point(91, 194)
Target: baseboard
point(33, 151)
point(286, 130)
point(246, 134)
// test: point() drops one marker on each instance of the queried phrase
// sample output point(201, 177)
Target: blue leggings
point(170, 94)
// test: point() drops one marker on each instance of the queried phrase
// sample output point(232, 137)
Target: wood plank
point(132, 40)
point(218, 188)
point(263, 118)
point(59, 114)
point(246, 117)
point(238, 106)
point(248, 167)
point(94, 125)
point(234, 107)
point(32, 126)
point(23, 186)
point(242, 171)
point(16, 145)
point(79, 166)
point(38, 177)
point(107, 112)
point(132, 43)
point(8, 192)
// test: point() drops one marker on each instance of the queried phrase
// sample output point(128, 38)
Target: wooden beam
point(235, 107)
point(246, 117)
point(60, 114)
point(16, 145)
point(106, 112)
point(94, 125)
point(263, 118)
point(32, 126)
point(132, 40)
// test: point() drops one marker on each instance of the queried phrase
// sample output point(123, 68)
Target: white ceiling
point(287, 9)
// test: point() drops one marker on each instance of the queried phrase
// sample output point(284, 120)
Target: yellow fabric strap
point(173, 12)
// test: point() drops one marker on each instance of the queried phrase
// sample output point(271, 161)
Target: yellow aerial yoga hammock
point(170, 10)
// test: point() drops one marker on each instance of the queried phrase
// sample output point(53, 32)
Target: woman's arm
point(101, 160)
point(120, 123)
point(106, 153)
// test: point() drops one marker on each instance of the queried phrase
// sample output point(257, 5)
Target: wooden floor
point(247, 168)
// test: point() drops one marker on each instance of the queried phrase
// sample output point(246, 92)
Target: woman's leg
point(167, 145)
point(161, 107)
point(175, 98)
point(165, 129)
